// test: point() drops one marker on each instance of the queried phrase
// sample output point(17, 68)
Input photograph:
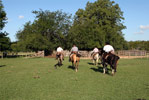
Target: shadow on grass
point(90, 63)
point(100, 69)
point(93, 63)
point(2, 65)
point(59, 65)
point(71, 67)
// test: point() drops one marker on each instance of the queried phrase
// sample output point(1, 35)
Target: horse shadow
point(2, 65)
point(93, 63)
point(100, 69)
point(59, 65)
point(71, 67)
point(90, 63)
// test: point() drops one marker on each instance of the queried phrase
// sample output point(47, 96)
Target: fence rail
point(121, 53)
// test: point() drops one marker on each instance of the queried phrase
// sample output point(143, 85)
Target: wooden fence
point(22, 54)
point(132, 53)
point(84, 54)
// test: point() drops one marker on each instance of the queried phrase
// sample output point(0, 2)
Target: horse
point(75, 61)
point(109, 59)
point(59, 59)
point(95, 57)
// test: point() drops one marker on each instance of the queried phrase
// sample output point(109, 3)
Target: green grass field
point(37, 79)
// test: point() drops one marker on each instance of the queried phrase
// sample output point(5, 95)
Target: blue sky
point(136, 14)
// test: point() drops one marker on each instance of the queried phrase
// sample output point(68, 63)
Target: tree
point(4, 40)
point(139, 45)
point(46, 32)
point(2, 16)
point(100, 22)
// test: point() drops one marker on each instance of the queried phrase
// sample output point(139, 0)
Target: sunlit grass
point(37, 79)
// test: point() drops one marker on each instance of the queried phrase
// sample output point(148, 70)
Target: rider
point(74, 50)
point(94, 52)
point(59, 52)
point(108, 49)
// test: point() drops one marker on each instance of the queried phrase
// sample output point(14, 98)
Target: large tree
point(4, 40)
point(3, 17)
point(98, 23)
point(46, 32)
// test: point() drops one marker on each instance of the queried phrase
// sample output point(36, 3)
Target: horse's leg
point(112, 71)
point(72, 64)
point(75, 65)
point(97, 62)
point(61, 59)
point(93, 61)
point(104, 68)
point(58, 61)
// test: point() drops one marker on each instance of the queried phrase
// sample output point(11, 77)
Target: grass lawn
point(37, 79)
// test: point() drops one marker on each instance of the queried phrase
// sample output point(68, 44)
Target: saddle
point(75, 52)
point(105, 55)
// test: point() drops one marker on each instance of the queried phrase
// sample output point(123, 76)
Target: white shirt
point(59, 49)
point(108, 48)
point(95, 50)
point(74, 49)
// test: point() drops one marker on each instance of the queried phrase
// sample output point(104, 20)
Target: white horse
point(95, 58)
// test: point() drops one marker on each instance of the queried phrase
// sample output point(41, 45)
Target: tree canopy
point(4, 40)
point(98, 23)
point(139, 45)
point(46, 32)
point(3, 17)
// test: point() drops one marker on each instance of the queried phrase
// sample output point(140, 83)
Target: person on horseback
point(94, 52)
point(73, 50)
point(59, 52)
point(108, 49)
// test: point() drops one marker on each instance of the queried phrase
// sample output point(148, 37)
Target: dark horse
point(109, 59)
point(59, 59)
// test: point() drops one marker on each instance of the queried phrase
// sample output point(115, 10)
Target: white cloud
point(21, 17)
point(144, 27)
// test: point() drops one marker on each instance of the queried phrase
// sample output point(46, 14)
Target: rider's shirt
point(74, 49)
point(59, 49)
point(108, 48)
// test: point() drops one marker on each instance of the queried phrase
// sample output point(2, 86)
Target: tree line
point(99, 22)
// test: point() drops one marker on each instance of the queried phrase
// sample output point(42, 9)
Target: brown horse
point(75, 61)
